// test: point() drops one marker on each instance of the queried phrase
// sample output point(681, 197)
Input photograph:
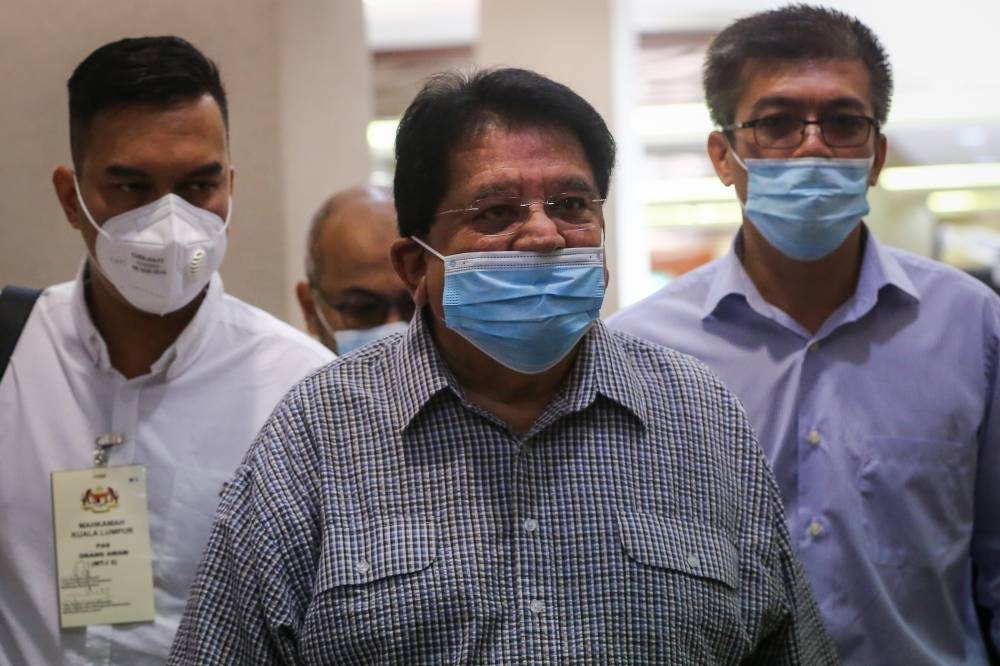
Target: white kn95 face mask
point(160, 256)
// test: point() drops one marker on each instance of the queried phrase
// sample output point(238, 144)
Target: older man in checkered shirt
point(508, 481)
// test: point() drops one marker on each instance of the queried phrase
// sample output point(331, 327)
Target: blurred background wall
point(316, 88)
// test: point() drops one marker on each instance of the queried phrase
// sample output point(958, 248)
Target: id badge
point(103, 558)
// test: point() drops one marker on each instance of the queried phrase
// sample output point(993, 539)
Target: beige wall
point(298, 79)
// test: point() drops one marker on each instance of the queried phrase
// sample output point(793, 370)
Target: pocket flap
point(687, 546)
point(384, 547)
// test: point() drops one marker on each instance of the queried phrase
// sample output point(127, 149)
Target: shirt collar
point(178, 356)
point(878, 269)
point(601, 368)
point(731, 279)
point(419, 371)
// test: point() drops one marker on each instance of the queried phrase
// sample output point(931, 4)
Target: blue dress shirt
point(883, 430)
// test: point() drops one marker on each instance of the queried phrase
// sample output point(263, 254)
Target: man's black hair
point(157, 71)
point(794, 32)
point(452, 107)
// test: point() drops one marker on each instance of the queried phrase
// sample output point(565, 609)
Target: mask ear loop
point(86, 211)
point(736, 155)
point(229, 216)
point(440, 256)
point(92, 260)
point(427, 247)
point(322, 318)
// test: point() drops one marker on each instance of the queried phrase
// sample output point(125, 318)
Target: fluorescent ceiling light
point(678, 190)
point(693, 215)
point(955, 202)
point(673, 123)
point(381, 136)
point(941, 177)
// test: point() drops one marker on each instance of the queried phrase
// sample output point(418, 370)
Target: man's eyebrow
point(210, 169)
point(496, 190)
point(124, 171)
point(846, 101)
point(572, 185)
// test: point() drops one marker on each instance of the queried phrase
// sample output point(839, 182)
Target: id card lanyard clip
point(102, 446)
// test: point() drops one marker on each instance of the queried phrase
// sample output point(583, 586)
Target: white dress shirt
point(189, 421)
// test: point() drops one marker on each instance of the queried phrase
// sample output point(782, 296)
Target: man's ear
point(881, 150)
point(718, 151)
point(308, 305)
point(410, 263)
point(62, 181)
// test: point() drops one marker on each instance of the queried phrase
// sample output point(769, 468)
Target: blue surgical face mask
point(350, 339)
point(525, 310)
point(806, 207)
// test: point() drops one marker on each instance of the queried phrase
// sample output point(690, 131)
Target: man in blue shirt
point(869, 374)
point(507, 482)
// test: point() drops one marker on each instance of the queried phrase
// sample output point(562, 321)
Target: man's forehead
point(200, 116)
point(805, 81)
point(361, 227)
point(502, 160)
point(355, 251)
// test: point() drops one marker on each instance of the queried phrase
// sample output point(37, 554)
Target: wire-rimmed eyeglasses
point(502, 215)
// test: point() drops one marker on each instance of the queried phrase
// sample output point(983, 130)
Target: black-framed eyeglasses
point(782, 130)
point(503, 215)
point(367, 310)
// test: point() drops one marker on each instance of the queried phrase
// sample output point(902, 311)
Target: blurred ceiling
point(946, 105)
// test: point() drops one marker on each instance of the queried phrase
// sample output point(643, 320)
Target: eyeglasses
point(367, 310)
point(781, 130)
point(503, 215)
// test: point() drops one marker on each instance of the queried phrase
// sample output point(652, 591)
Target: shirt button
point(814, 437)
point(815, 528)
point(536, 607)
point(814, 346)
point(530, 525)
point(363, 566)
point(694, 561)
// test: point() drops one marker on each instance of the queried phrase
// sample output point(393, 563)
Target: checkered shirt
point(382, 518)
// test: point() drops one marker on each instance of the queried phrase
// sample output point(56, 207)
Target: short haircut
point(794, 32)
point(452, 107)
point(156, 71)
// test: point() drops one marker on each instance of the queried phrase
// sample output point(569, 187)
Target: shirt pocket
point(384, 548)
point(682, 546)
point(383, 587)
point(680, 590)
point(917, 498)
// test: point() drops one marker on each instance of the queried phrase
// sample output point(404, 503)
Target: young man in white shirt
point(142, 361)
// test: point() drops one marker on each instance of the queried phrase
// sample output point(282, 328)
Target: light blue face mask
point(806, 207)
point(525, 310)
point(352, 338)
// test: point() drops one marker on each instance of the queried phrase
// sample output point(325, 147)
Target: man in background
point(141, 363)
point(869, 374)
point(351, 295)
